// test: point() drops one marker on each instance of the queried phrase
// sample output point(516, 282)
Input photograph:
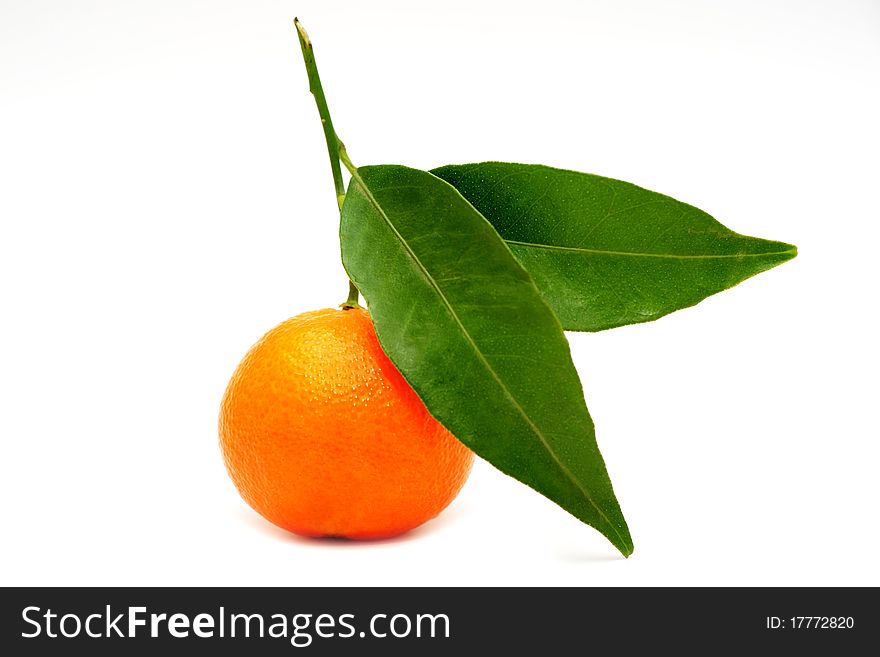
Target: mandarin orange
point(323, 436)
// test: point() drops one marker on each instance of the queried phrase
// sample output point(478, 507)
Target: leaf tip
point(618, 534)
point(784, 253)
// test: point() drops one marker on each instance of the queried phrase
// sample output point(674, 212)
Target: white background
point(165, 199)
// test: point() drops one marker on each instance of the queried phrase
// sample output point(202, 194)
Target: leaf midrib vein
point(635, 254)
point(535, 429)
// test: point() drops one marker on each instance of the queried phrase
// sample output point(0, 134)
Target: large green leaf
point(603, 252)
point(466, 326)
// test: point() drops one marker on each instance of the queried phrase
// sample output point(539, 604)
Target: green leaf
point(606, 253)
point(468, 329)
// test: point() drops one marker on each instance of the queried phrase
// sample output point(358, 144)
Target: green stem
point(352, 169)
point(317, 90)
point(334, 146)
point(343, 155)
point(353, 293)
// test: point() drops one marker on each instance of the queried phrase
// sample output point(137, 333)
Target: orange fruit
point(323, 436)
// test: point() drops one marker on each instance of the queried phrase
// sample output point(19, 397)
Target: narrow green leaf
point(466, 326)
point(604, 252)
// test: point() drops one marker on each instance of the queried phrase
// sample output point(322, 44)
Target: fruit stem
point(352, 301)
point(333, 143)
